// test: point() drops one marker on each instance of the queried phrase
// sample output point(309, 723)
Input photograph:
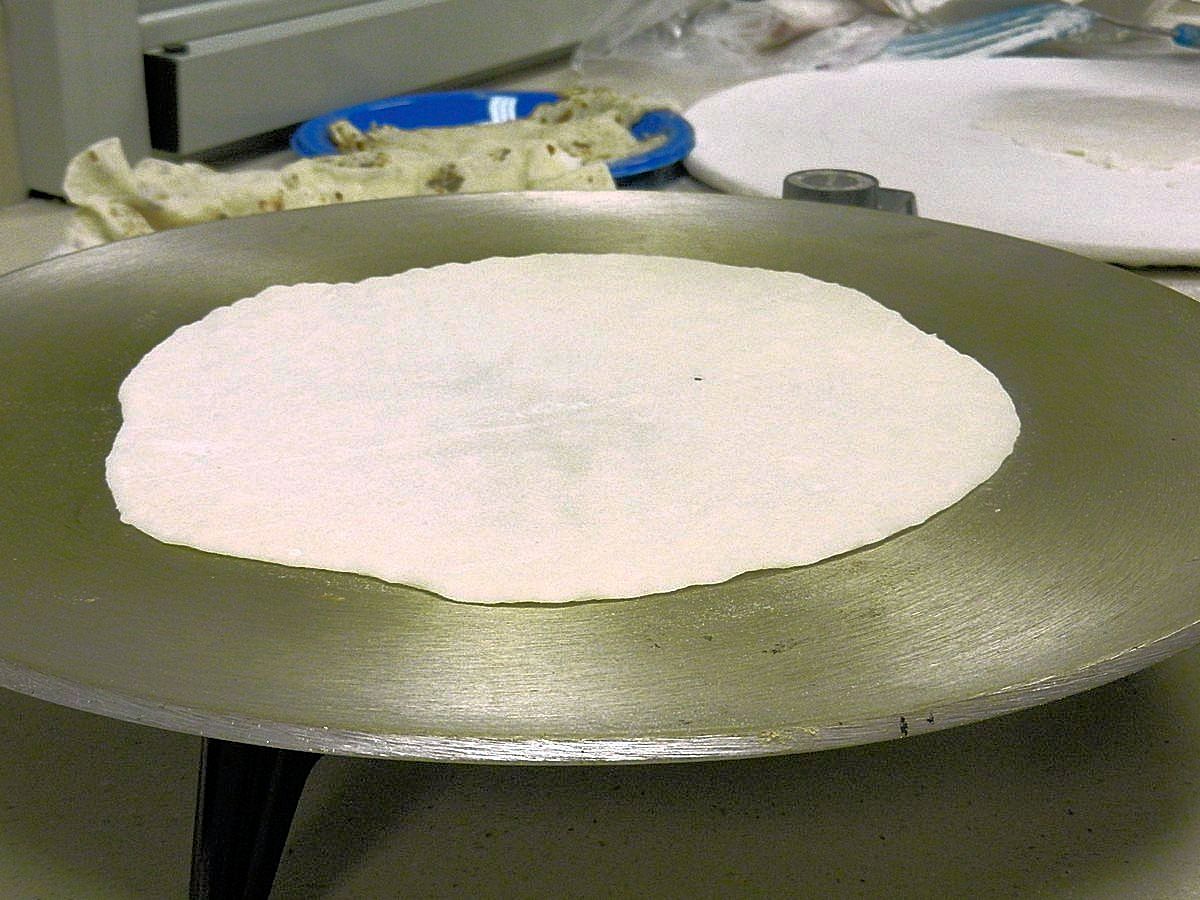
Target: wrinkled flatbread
point(115, 200)
point(591, 124)
point(552, 428)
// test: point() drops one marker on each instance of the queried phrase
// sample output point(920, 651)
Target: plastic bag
point(933, 13)
point(938, 13)
point(687, 48)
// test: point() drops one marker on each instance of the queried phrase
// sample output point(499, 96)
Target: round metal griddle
point(1078, 562)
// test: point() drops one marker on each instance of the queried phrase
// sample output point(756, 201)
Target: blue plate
point(476, 107)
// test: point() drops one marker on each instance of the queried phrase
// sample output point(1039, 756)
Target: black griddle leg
point(246, 800)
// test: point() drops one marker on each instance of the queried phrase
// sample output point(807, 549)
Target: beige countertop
point(1095, 796)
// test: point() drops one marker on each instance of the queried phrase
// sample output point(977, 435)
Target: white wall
point(12, 188)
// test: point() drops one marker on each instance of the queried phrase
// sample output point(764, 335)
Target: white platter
point(912, 125)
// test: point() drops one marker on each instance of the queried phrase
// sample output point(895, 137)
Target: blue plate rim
point(311, 138)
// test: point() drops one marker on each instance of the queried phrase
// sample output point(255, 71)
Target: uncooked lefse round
point(552, 428)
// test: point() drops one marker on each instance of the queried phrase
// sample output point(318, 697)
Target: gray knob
point(840, 186)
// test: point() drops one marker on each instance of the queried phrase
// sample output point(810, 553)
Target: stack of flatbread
point(115, 200)
point(561, 146)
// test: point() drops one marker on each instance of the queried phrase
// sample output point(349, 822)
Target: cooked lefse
point(560, 146)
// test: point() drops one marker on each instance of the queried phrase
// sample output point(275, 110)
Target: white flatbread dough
point(1129, 133)
point(552, 428)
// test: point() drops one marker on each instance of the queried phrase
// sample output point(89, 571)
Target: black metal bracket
point(246, 799)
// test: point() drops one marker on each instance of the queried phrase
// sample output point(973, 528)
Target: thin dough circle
point(552, 428)
point(1131, 133)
